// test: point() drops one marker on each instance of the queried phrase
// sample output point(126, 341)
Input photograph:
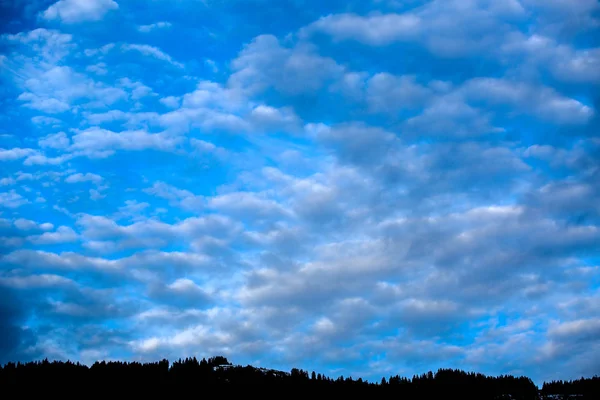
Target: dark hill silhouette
point(193, 374)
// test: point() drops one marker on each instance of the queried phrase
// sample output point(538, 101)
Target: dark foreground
point(194, 375)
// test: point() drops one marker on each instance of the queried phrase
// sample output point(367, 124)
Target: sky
point(360, 188)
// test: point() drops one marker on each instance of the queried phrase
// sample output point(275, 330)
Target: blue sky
point(362, 188)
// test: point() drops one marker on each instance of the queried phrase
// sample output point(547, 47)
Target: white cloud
point(213, 95)
point(129, 120)
point(183, 285)
point(157, 25)
point(183, 119)
point(132, 209)
point(55, 141)
point(375, 30)
point(54, 90)
point(87, 177)
point(37, 281)
point(7, 181)
point(247, 205)
point(266, 117)
point(450, 116)
point(101, 51)
point(447, 28)
point(15, 153)
point(210, 106)
point(106, 235)
point(138, 89)
point(543, 102)
point(183, 198)
point(96, 195)
point(49, 105)
point(25, 224)
point(182, 292)
point(203, 147)
point(266, 63)
point(49, 44)
point(578, 328)
point(63, 234)
point(171, 101)
point(97, 142)
point(24, 176)
point(108, 116)
point(73, 11)
point(578, 66)
point(99, 68)
point(212, 65)
point(46, 226)
point(388, 93)
point(41, 260)
point(213, 106)
point(41, 159)
point(151, 51)
point(12, 199)
point(568, 64)
point(42, 120)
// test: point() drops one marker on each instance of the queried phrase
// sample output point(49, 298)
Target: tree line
point(193, 373)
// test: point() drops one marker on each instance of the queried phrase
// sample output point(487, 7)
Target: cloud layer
point(374, 189)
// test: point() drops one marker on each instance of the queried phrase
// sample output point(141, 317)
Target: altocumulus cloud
point(372, 190)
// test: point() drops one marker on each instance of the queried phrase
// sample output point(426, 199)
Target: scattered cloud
point(151, 27)
point(12, 199)
point(151, 51)
point(87, 177)
point(74, 11)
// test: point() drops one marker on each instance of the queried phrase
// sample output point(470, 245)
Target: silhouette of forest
point(191, 373)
